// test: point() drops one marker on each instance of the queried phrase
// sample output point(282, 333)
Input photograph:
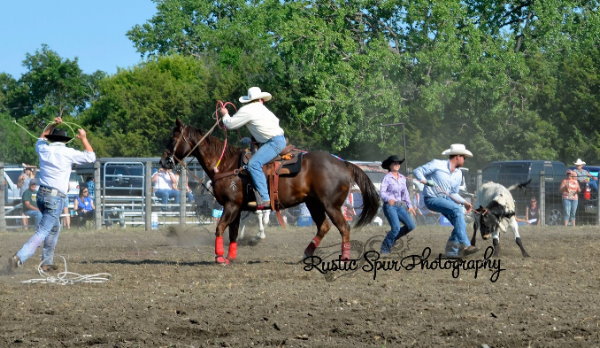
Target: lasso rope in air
point(220, 105)
point(67, 278)
point(68, 124)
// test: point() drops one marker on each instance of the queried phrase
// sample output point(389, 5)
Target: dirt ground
point(165, 291)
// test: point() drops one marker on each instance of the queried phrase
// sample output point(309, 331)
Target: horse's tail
point(370, 196)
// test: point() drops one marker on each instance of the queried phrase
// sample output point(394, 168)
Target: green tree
point(502, 77)
point(137, 107)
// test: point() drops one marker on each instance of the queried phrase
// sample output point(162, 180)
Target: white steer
point(496, 211)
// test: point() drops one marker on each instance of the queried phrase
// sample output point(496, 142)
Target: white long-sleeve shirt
point(261, 122)
point(56, 161)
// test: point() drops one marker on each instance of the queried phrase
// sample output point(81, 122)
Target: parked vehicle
point(509, 173)
point(12, 194)
point(123, 178)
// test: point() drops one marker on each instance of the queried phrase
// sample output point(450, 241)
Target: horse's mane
point(213, 144)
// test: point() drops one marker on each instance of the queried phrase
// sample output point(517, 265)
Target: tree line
point(518, 79)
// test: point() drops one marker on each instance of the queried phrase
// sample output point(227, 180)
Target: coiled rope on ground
point(67, 278)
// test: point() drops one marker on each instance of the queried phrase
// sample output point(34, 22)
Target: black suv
point(123, 178)
point(509, 173)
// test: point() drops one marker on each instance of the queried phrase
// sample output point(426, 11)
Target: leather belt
point(51, 191)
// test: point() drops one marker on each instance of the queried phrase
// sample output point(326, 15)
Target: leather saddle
point(288, 162)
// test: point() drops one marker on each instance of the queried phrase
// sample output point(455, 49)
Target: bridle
point(174, 159)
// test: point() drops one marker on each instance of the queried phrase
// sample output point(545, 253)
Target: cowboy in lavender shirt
point(443, 179)
point(396, 203)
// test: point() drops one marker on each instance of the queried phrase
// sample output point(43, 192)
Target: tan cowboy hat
point(457, 149)
point(255, 93)
point(579, 162)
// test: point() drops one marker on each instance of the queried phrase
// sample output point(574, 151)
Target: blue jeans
point(47, 230)
point(165, 194)
point(454, 213)
point(570, 206)
point(395, 215)
point(35, 216)
point(264, 155)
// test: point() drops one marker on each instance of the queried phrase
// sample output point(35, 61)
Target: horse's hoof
point(310, 250)
point(221, 260)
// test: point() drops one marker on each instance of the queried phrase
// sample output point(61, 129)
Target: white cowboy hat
point(253, 94)
point(457, 149)
point(579, 162)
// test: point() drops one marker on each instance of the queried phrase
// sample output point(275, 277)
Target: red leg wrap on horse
point(346, 251)
point(310, 249)
point(219, 246)
point(232, 251)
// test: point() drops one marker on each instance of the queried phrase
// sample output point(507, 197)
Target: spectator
point(84, 206)
point(443, 179)
point(89, 183)
point(304, 218)
point(66, 215)
point(29, 200)
point(532, 212)
point(396, 203)
point(24, 178)
point(164, 186)
point(570, 189)
point(584, 177)
point(189, 195)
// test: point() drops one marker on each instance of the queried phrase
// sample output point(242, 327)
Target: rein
point(219, 105)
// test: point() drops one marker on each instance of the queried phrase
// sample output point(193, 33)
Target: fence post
point(148, 196)
point(182, 195)
point(2, 198)
point(542, 199)
point(479, 180)
point(97, 196)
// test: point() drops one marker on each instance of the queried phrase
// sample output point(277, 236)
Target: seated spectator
point(84, 206)
point(189, 195)
point(164, 186)
point(532, 212)
point(305, 218)
point(30, 207)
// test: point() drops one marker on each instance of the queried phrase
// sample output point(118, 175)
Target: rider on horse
point(264, 127)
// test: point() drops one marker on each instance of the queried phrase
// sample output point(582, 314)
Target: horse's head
point(178, 148)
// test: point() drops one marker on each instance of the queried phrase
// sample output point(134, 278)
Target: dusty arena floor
point(165, 291)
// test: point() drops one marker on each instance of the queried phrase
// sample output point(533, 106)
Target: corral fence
point(124, 196)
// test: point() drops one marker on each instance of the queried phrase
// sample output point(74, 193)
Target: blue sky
point(92, 30)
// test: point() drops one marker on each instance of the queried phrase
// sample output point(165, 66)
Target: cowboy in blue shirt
point(443, 179)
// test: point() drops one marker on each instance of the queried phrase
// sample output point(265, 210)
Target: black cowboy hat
point(58, 135)
point(392, 159)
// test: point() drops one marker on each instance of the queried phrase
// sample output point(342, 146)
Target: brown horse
point(323, 184)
